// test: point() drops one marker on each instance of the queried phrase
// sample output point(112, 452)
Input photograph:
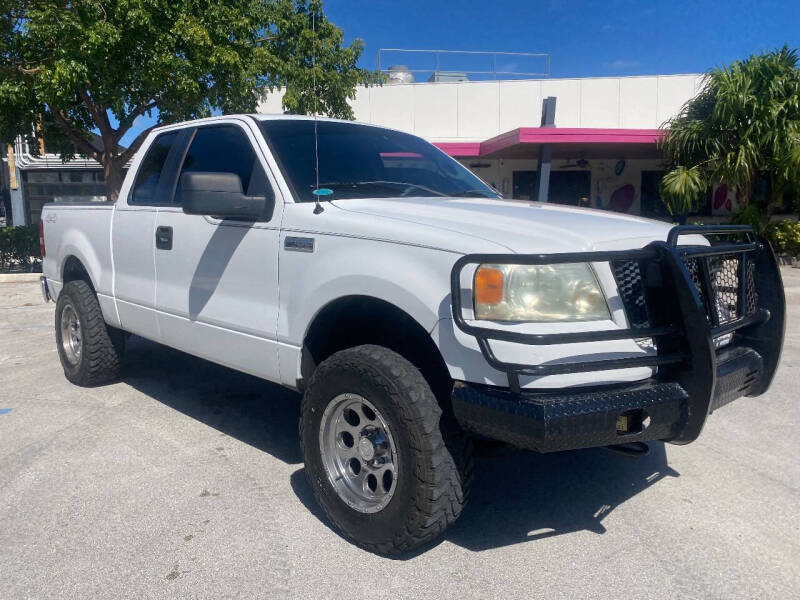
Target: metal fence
point(508, 69)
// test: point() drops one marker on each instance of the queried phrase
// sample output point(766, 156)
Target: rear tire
point(90, 351)
point(429, 455)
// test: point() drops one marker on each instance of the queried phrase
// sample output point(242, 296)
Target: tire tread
point(445, 470)
point(102, 345)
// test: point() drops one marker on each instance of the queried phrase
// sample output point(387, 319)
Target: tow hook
point(630, 450)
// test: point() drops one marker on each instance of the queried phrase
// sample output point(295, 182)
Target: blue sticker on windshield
point(322, 192)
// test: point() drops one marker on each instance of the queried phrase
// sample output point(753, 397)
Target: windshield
point(359, 161)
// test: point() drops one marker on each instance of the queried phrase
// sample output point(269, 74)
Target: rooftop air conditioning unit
point(399, 74)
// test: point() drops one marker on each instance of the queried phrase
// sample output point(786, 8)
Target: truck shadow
point(258, 413)
point(522, 496)
point(527, 496)
point(517, 496)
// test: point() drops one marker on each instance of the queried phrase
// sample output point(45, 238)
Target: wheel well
point(356, 320)
point(75, 271)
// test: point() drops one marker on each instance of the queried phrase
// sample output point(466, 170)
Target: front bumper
point(718, 337)
point(548, 422)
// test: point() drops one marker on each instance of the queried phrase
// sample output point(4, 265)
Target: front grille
point(723, 278)
point(721, 307)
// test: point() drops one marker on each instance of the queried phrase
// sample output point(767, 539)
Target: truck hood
point(518, 226)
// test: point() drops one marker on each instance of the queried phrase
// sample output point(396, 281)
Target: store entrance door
point(566, 187)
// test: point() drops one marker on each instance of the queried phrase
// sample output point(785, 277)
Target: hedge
point(19, 249)
point(784, 236)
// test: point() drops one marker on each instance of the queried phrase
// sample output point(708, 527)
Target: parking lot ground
point(185, 480)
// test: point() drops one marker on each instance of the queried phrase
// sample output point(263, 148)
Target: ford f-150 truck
point(412, 306)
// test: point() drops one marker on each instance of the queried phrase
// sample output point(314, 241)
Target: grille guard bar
point(685, 319)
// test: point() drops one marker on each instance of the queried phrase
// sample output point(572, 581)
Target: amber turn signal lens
point(488, 285)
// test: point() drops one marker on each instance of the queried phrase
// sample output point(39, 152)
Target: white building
point(603, 141)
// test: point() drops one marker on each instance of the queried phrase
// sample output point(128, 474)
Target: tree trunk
point(775, 197)
point(112, 170)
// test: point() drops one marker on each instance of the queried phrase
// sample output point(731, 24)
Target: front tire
point(388, 468)
point(90, 351)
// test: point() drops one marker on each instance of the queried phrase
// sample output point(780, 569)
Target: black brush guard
point(714, 313)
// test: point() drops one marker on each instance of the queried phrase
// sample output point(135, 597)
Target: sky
point(583, 39)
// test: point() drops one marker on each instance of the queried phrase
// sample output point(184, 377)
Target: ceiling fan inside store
point(581, 163)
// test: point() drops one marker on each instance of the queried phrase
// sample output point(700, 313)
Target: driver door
point(217, 280)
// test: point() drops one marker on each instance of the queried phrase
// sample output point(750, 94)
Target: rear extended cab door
point(133, 232)
point(216, 290)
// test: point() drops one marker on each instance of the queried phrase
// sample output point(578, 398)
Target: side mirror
point(220, 195)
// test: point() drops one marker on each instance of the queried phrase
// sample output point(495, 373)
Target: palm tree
point(682, 190)
point(745, 123)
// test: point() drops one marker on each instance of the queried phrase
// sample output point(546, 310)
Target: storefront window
point(566, 187)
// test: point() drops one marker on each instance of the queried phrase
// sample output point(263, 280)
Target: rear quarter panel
point(84, 232)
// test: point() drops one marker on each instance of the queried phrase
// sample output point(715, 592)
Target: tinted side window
point(144, 191)
point(224, 149)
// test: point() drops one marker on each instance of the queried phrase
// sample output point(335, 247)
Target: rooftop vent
point(399, 74)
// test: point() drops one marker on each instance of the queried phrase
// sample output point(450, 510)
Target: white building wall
point(520, 104)
point(477, 110)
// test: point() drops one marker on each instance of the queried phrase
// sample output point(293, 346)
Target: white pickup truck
point(411, 305)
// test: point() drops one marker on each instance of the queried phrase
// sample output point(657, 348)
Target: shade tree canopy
point(73, 70)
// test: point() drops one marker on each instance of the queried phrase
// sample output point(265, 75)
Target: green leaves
point(19, 248)
point(785, 237)
point(682, 190)
point(744, 123)
point(79, 66)
point(321, 74)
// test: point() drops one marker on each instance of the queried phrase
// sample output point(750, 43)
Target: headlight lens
point(538, 293)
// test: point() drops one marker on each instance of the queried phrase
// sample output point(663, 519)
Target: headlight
point(538, 293)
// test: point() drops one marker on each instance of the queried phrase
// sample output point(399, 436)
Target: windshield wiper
point(406, 184)
point(475, 194)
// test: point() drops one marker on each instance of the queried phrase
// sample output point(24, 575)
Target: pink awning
point(549, 135)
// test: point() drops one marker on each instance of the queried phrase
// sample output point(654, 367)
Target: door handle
point(164, 238)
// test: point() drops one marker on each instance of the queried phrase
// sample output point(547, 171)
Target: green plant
point(753, 215)
point(784, 237)
point(745, 123)
point(682, 191)
point(19, 248)
point(79, 74)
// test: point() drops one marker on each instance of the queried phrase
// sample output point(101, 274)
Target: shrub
point(754, 216)
point(784, 237)
point(19, 248)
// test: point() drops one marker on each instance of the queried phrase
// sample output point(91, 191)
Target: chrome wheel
point(358, 453)
point(71, 335)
